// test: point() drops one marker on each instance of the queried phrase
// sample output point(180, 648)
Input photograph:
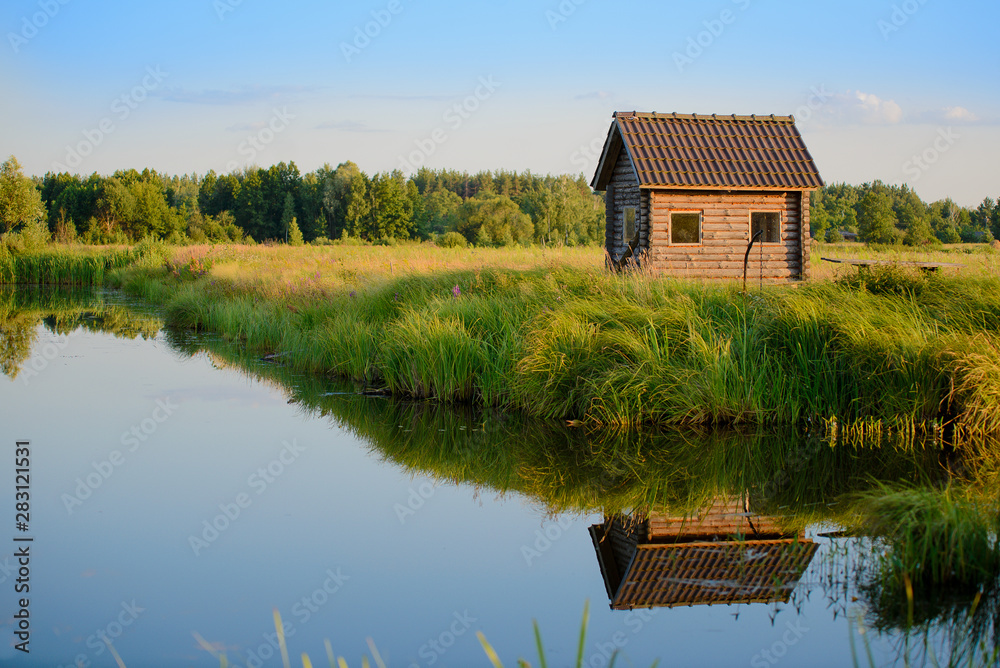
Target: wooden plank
point(700, 264)
point(681, 255)
point(902, 263)
point(731, 236)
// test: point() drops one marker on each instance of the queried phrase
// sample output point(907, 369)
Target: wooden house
point(686, 193)
point(723, 555)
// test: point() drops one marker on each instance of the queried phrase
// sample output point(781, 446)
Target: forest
point(452, 208)
point(888, 214)
point(279, 203)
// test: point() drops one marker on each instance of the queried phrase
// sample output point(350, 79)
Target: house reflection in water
point(724, 555)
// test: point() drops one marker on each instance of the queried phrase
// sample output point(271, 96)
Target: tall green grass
point(72, 266)
point(934, 537)
point(898, 354)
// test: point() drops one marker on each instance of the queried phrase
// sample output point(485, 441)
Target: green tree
point(390, 214)
point(819, 219)
point(876, 220)
point(20, 202)
point(495, 220)
point(287, 216)
point(151, 215)
point(249, 209)
point(985, 215)
point(206, 194)
point(439, 214)
point(918, 229)
point(995, 219)
point(294, 234)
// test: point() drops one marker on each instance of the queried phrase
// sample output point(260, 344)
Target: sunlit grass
point(554, 334)
point(979, 260)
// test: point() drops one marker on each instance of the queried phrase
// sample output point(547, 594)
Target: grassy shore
point(553, 334)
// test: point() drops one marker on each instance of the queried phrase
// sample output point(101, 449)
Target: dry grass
point(310, 271)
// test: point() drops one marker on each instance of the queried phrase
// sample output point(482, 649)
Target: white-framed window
point(685, 227)
point(628, 224)
point(768, 222)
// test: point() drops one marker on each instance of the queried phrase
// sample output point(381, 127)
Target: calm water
point(178, 498)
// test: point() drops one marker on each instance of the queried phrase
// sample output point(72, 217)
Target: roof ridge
point(752, 118)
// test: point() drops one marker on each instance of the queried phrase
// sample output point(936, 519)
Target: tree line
point(498, 208)
point(887, 214)
point(279, 203)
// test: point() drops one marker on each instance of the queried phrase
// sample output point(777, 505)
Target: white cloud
point(860, 108)
point(950, 116)
point(855, 107)
point(959, 114)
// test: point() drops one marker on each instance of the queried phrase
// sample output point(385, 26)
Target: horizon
point(390, 85)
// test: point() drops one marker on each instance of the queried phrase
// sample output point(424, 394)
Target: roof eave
point(683, 186)
point(606, 166)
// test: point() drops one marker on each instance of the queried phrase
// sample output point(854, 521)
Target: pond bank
point(556, 336)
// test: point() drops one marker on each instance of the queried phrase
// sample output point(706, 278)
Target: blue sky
point(898, 91)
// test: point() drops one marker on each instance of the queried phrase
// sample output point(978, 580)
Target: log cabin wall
point(725, 233)
point(623, 191)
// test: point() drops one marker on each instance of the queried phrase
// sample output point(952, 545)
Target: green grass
point(72, 265)
point(902, 352)
point(934, 537)
point(555, 337)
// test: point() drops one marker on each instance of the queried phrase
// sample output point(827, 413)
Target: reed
point(933, 537)
point(72, 265)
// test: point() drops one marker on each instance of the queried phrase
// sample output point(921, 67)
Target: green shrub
point(452, 240)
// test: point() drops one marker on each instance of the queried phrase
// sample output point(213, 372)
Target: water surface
point(181, 492)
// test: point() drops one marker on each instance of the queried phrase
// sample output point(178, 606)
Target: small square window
point(628, 229)
point(769, 222)
point(685, 228)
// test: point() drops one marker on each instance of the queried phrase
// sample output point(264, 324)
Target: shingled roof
point(715, 152)
point(723, 572)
